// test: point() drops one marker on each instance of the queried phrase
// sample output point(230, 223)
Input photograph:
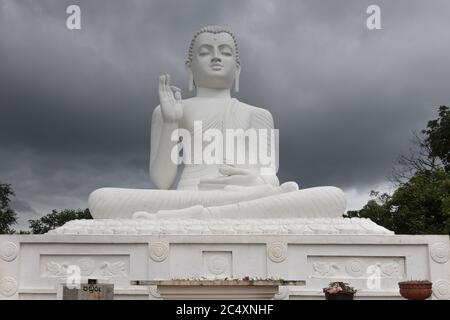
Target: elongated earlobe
point(236, 79)
point(191, 83)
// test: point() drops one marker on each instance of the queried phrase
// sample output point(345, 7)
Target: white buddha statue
point(211, 190)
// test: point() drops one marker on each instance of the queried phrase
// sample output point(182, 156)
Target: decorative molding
point(354, 268)
point(441, 289)
point(113, 269)
point(391, 270)
point(8, 251)
point(217, 264)
point(277, 251)
point(283, 293)
point(56, 269)
point(87, 266)
point(324, 269)
point(8, 286)
point(159, 251)
point(353, 226)
point(440, 252)
point(153, 290)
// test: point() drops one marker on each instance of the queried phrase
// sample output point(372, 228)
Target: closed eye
point(204, 50)
point(226, 50)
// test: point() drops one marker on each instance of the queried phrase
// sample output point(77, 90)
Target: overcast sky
point(75, 105)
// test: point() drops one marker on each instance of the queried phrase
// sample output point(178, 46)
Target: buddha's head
point(213, 60)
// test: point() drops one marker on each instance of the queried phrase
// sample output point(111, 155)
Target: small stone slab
point(89, 292)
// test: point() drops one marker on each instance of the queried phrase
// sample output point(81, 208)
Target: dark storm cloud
point(76, 105)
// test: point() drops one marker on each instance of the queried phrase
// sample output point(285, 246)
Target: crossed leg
point(317, 202)
point(117, 203)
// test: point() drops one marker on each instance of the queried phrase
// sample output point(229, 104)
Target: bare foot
point(195, 212)
point(143, 215)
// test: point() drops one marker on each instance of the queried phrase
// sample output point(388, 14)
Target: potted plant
point(415, 289)
point(339, 291)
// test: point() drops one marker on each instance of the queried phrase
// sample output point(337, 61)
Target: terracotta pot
point(338, 296)
point(415, 290)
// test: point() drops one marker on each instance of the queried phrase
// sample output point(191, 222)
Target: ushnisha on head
point(213, 59)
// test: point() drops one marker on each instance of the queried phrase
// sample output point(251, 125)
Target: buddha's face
point(213, 62)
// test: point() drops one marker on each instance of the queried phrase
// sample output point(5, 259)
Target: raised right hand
point(169, 100)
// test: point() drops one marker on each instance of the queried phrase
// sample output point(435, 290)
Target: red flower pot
point(415, 290)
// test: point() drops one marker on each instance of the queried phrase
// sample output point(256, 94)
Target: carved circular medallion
point(159, 251)
point(8, 251)
point(87, 266)
point(440, 252)
point(277, 251)
point(8, 286)
point(441, 289)
point(354, 268)
point(217, 265)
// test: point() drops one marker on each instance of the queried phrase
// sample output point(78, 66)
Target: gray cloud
point(76, 105)
point(24, 213)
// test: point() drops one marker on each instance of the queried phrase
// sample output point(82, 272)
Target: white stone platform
point(34, 266)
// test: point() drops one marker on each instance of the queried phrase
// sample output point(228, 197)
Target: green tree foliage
point(377, 209)
point(57, 219)
point(420, 206)
point(8, 216)
point(438, 137)
point(421, 202)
